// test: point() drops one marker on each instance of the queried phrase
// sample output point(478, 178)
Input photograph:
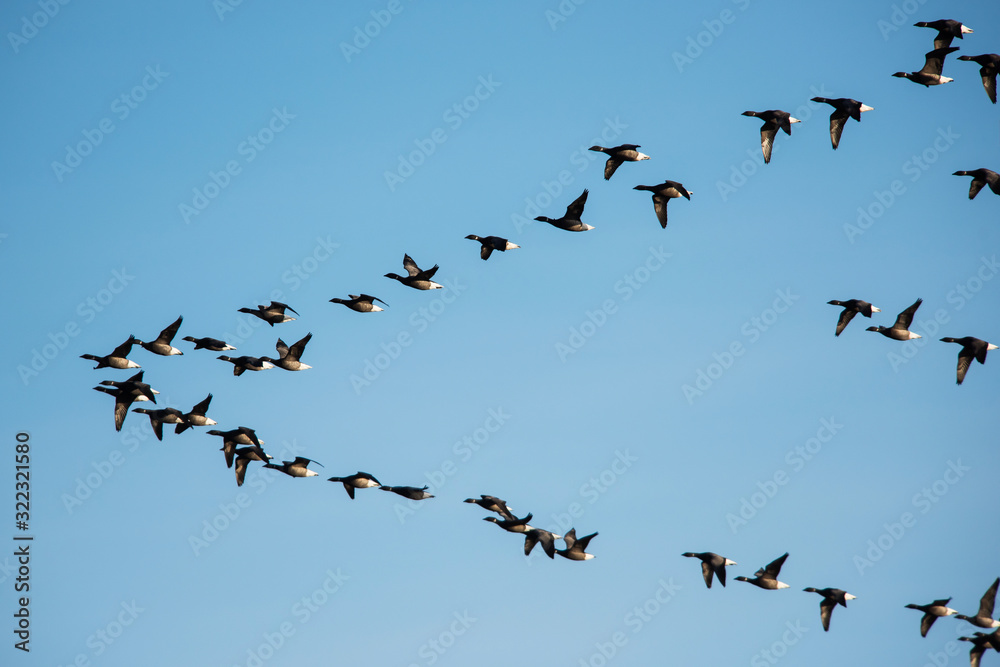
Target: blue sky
point(674, 390)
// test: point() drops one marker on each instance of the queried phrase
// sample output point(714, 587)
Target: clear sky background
point(193, 159)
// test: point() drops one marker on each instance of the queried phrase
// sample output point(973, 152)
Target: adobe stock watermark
point(230, 512)
point(581, 159)
point(900, 16)
point(928, 328)
point(432, 650)
point(363, 35)
point(302, 610)
point(752, 330)
point(779, 648)
point(923, 501)
point(30, 25)
point(636, 620)
point(699, 43)
point(121, 108)
point(223, 7)
point(454, 116)
point(796, 459)
point(914, 167)
point(419, 321)
point(104, 637)
point(249, 149)
point(740, 175)
point(86, 311)
point(627, 286)
point(594, 488)
point(563, 11)
point(463, 450)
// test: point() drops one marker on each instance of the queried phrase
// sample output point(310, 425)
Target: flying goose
point(844, 108)
point(157, 418)
point(274, 313)
point(196, 417)
point(362, 303)
point(161, 345)
point(900, 330)
point(359, 480)
point(576, 549)
point(931, 613)
point(492, 504)
point(289, 356)
point(297, 468)
point(618, 155)
point(984, 617)
point(851, 308)
point(245, 363)
point(491, 243)
point(948, 29)
point(512, 525)
point(767, 577)
point(546, 538)
point(930, 73)
point(773, 120)
point(125, 393)
point(712, 564)
point(990, 65)
point(981, 178)
point(117, 358)
point(411, 492)
point(244, 455)
point(662, 194)
point(831, 598)
point(417, 279)
point(213, 344)
point(571, 220)
point(972, 348)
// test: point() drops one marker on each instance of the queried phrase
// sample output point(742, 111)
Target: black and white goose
point(241, 435)
point(244, 455)
point(948, 29)
point(930, 73)
point(712, 564)
point(984, 617)
point(539, 536)
point(411, 492)
point(362, 303)
point(288, 357)
point(297, 468)
point(571, 221)
point(662, 194)
point(118, 357)
point(844, 108)
point(157, 418)
point(972, 348)
point(617, 156)
point(359, 480)
point(980, 179)
point(900, 329)
point(125, 393)
point(767, 577)
point(246, 363)
point(491, 243)
point(514, 525)
point(213, 344)
point(576, 549)
point(273, 313)
point(989, 67)
point(932, 612)
point(774, 119)
point(851, 308)
point(161, 345)
point(492, 504)
point(417, 278)
point(196, 417)
point(831, 598)
point(980, 642)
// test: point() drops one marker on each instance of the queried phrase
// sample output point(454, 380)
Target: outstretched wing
point(845, 318)
point(168, 334)
point(575, 210)
point(610, 166)
point(906, 317)
point(767, 132)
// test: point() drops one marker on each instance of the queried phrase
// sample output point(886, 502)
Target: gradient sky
point(196, 158)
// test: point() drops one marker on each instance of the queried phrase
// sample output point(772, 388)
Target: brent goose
point(493, 504)
point(618, 155)
point(851, 308)
point(930, 74)
point(900, 330)
point(491, 243)
point(547, 540)
point(297, 468)
point(272, 314)
point(411, 492)
point(984, 617)
point(972, 348)
point(125, 393)
point(712, 564)
point(157, 418)
point(362, 303)
point(289, 356)
point(359, 480)
point(844, 108)
point(571, 220)
point(245, 363)
point(161, 345)
point(416, 279)
point(990, 65)
point(576, 549)
point(981, 178)
point(213, 344)
point(241, 435)
point(512, 525)
point(662, 194)
point(773, 119)
point(948, 29)
point(831, 598)
point(931, 613)
point(980, 642)
point(244, 455)
point(767, 577)
point(196, 417)
point(117, 358)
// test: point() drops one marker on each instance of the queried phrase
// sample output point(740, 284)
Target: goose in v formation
point(712, 564)
point(843, 108)
point(571, 221)
point(288, 357)
point(767, 577)
point(948, 29)
point(118, 357)
point(851, 308)
point(213, 344)
point(617, 156)
point(900, 329)
point(984, 616)
point(359, 480)
point(417, 278)
point(662, 194)
point(930, 73)
point(491, 243)
point(972, 348)
point(273, 313)
point(774, 119)
point(989, 67)
point(361, 303)
point(831, 598)
point(932, 612)
point(161, 345)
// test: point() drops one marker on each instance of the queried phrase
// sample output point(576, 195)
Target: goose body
point(712, 564)
point(984, 617)
point(980, 179)
point(851, 308)
point(972, 348)
point(411, 492)
point(767, 577)
point(491, 243)
point(161, 345)
point(297, 468)
point(843, 108)
point(900, 330)
point(662, 194)
point(932, 612)
point(273, 313)
point(288, 358)
point(245, 363)
point(213, 344)
point(831, 598)
point(417, 278)
point(359, 480)
point(361, 303)
point(576, 549)
point(989, 67)
point(619, 155)
point(774, 119)
point(118, 357)
point(930, 74)
point(157, 418)
point(125, 393)
point(571, 221)
point(948, 29)
point(196, 417)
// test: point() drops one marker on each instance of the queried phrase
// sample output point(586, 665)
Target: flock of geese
point(241, 446)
